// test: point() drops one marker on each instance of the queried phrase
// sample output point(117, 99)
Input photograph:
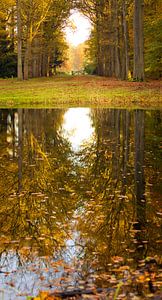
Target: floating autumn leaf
point(45, 296)
point(117, 259)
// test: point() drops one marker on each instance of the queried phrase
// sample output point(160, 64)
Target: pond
point(80, 195)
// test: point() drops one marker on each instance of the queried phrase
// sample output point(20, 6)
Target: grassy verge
point(79, 91)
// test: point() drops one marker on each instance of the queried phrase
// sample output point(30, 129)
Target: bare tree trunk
point(19, 41)
point(98, 40)
point(27, 59)
point(99, 37)
point(26, 63)
point(109, 62)
point(12, 30)
point(48, 66)
point(112, 41)
point(125, 66)
point(138, 72)
point(44, 64)
point(116, 40)
point(36, 56)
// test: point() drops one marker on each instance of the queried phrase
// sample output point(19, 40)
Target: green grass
point(73, 91)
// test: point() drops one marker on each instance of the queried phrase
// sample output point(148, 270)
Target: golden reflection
point(101, 214)
point(77, 127)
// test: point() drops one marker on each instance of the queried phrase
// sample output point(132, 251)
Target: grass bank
point(79, 91)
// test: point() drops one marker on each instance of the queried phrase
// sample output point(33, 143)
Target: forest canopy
point(125, 41)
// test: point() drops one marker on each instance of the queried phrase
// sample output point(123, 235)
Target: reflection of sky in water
point(20, 278)
point(77, 127)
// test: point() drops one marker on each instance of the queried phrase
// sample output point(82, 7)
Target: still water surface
point(80, 189)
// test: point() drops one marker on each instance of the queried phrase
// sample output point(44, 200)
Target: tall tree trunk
point(114, 57)
point(35, 59)
point(125, 60)
point(138, 72)
point(48, 65)
point(44, 62)
point(27, 59)
point(112, 43)
point(109, 44)
point(19, 41)
point(99, 37)
point(12, 30)
point(98, 41)
point(116, 40)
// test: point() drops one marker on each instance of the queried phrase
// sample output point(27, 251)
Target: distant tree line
point(125, 42)
point(32, 42)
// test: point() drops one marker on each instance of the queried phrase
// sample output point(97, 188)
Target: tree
point(125, 52)
point(138, 29)
point(34, 14)
point(19, 40)
point(7, 51)
point(41, 45)
point(53, 45)
point(153, 38)
point(34, 29)
point(109, 41)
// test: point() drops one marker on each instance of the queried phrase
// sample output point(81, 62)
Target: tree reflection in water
point(104, 195)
